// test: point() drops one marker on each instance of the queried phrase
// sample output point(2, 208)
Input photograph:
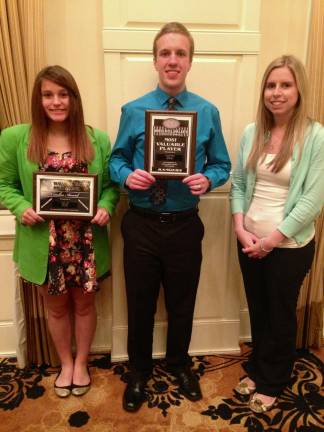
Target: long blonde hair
point(81, 146)
point(296, 127)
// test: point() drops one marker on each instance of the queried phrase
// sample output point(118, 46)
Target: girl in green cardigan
point(64, 257)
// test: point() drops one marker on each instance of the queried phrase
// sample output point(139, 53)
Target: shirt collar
point(163, 97)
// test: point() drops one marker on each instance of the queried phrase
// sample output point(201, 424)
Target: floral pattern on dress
point(71, 261)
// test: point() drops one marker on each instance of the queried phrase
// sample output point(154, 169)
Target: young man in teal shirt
point(163, 233)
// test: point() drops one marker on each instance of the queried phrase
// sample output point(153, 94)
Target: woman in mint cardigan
point(64, 257)
point(277, 192)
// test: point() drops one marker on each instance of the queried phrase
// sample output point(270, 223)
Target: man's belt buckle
point(167, 217)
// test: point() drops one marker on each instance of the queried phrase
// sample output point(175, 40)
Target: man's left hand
point(101, 218)
point(197, 183)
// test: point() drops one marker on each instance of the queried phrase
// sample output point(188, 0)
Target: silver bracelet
point(262, 248)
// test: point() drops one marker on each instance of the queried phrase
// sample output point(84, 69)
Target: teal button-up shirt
point(211, 160)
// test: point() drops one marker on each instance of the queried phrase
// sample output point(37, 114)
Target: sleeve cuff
point(123, 176)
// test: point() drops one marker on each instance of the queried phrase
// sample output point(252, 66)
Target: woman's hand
point(258, 249)
point(30, 217)
point(246, 238)
point(264, 245)
point(101, 218)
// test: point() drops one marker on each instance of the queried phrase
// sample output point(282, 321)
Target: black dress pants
point(168, 253)
point(272, 286)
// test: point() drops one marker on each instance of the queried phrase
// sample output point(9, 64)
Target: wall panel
point(227, 43)
point(7, 326)
point(245, 35)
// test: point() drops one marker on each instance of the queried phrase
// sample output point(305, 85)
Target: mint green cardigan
point(16, 192)
point(306, 190)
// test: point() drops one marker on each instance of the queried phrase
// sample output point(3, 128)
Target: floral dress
point(71, 261)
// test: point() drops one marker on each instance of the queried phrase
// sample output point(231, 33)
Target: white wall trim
point(7, 225)
point(209, 336)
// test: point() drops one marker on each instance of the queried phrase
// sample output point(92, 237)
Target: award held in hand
point(170, 143)
point(65, 195)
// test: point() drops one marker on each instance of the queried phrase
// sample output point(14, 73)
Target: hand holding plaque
point(170, 143)
point(65, 195)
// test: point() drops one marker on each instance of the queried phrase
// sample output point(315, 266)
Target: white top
point(266, 211)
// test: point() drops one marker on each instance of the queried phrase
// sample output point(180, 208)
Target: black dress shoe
point(134, 394)
point(188, 384)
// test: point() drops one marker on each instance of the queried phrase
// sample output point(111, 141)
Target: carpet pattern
point(28, 402)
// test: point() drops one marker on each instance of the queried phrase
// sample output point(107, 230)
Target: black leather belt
point(164, 217)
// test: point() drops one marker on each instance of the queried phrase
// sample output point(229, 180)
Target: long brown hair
point(296, 127)
point(81, 146)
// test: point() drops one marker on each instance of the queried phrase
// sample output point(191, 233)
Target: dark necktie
point(172, 103)
point(159, 188)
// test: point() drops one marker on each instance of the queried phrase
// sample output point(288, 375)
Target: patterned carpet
point(28, 403)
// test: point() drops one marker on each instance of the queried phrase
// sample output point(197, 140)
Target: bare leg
point(59, 325)
point(85, 326)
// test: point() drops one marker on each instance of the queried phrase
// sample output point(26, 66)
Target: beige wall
point(284, 26)
point(74, 40)
point(227, 44)
point(73, 32)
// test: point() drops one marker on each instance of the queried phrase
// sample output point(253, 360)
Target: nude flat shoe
point(243, 388)
point(257, 406)
point(80, 390)
point(63, 391)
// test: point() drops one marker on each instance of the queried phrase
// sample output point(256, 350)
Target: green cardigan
point(306, 189)
point(16, 192)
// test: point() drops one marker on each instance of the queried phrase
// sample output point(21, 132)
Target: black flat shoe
point(63, 391)
point(134, 394)
point(188, 384)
